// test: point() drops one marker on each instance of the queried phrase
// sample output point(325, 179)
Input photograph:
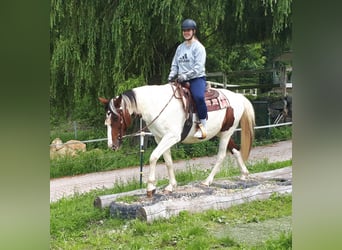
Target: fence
point(142, 135)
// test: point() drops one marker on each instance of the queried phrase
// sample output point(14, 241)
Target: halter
point(120, 113)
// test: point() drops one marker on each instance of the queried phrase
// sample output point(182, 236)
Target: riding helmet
point(189, 24)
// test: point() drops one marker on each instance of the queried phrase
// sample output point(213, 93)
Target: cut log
point(104, 201)
point(168, 208)
point(193, 198)
point(197, 198)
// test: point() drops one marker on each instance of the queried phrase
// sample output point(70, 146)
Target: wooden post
point(142, 134)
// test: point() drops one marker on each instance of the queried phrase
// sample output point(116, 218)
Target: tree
point(99, 48)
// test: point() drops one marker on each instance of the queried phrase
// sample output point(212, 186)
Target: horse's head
point(117, 121)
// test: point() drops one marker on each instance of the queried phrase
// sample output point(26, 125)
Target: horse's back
point(236, 100)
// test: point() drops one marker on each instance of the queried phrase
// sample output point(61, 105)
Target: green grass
point(91, 161)
point(129, 199)
point(76, 224)
point(186, 231)
point(283, 241)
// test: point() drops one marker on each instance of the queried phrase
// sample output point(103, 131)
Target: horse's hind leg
point(222, 152)
point(234, 149)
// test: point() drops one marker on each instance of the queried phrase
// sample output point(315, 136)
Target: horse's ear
point(104, 100)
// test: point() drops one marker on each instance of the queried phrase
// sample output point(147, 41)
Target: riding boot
point(201, 133)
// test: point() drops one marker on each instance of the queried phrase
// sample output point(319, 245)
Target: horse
point(164, 115)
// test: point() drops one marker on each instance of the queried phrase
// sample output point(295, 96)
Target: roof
point(285, 57)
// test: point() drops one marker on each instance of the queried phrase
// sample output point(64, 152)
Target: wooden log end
point(141, 214)
point(97, 202)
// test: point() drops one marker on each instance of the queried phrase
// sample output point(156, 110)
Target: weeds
point(186, 231)
point(76, 224)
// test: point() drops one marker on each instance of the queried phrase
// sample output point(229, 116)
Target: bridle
point(120, 113)
point(122, 121)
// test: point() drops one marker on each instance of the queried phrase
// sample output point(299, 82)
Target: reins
point(155, 118)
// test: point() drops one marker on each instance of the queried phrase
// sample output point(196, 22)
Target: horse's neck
point(151, 99)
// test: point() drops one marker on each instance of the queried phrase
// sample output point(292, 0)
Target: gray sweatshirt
point(189, 60)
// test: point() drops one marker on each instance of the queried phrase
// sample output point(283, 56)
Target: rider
point(189, 64)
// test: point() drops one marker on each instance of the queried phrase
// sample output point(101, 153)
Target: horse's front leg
point(172, 178)
point(164, 144)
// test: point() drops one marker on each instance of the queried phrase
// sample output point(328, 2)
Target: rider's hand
point(181, 78)
point(171, 79)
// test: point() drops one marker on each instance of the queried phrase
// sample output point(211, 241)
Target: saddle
point(214, 100)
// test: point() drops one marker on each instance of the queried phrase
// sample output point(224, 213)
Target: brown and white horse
point(164, 115)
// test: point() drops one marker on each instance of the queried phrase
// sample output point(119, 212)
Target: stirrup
point(201, 133)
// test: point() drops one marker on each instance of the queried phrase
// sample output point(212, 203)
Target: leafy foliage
point(101, 48)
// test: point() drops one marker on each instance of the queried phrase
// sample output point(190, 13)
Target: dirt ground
point(68, 186)
point(255, 232)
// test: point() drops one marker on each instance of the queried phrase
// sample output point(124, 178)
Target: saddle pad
point(215, 100)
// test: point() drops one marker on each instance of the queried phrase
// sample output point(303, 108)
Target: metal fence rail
point(143, 134)
point(150, 134)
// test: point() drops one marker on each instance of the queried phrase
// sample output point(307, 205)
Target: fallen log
point(193, 198)
point(105, 201)
point(168, 208)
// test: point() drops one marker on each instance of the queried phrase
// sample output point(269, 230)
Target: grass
point(128, 199)
point(186, 231)
point(283, 241)
point(76, 224)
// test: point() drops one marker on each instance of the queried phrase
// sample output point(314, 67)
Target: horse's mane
point(129, 101)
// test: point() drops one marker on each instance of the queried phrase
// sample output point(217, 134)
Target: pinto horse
point(164, 115)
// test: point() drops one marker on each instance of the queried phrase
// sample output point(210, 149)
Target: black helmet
point(188, 24)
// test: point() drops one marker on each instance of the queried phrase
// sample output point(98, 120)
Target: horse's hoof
point(203, 184)
point(244, 177)
point(151, 193)
point(167, 192)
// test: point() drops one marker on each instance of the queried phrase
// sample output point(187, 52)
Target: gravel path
point(68, 186)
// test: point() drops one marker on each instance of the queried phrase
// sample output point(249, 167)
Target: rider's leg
point(197, 87)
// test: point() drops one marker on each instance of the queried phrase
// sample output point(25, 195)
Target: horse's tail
point(247, 123)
